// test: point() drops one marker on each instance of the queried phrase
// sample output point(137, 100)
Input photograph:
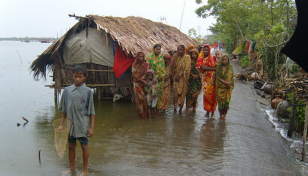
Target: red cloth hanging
point(121, 62)
point(248, 45)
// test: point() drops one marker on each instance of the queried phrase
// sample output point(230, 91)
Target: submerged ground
point(123, 144)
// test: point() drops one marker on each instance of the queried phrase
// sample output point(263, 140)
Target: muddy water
point(123, 144)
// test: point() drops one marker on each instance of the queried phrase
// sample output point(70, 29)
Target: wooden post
point(99, 96)
point(292, 117)
point(55, 96)
point(305, 133)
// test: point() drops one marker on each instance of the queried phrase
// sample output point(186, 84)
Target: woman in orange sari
point(207, 65)
point(189, 49)
point(165, 96)
point(139, 70)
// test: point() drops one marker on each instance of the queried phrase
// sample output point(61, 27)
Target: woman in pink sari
point(139, 70)
point(207, 65)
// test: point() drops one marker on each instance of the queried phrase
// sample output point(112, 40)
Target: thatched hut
point(106, 46)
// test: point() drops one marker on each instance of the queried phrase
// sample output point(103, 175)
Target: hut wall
point(89, 46)
point(94, 50)
point(100, 77)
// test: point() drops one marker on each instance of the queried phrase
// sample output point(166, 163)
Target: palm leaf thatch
point(133, 34)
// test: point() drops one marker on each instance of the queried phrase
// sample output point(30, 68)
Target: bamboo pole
point(55, 94)
point(305, 133)
point(292, 117)
point(99, 94)
point(94, 85)
point(92, 70)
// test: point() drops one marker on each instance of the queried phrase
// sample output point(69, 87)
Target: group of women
point(189, 72)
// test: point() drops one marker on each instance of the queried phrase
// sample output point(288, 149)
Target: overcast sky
point(49, 18)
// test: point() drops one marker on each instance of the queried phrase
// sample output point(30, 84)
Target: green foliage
point(300, 113)
point(245, 61)
point(278, 29)
point(260, 21)
point(295, 68)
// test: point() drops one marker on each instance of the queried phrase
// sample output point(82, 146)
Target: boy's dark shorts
point(82, 140)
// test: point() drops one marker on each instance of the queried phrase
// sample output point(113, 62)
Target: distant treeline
point(27, 39)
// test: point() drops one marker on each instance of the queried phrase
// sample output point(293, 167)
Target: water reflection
point(212, 137)
point(213, 133)
point(124, 143)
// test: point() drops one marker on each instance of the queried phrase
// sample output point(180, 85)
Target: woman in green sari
point(224, 85)
point(194, 83)
point(157, 63)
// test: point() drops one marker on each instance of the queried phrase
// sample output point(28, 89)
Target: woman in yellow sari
point(157, 63)
point(181, 71)
point(224, 85)
point(139, 70)
point(207, 65)
point(165, 96)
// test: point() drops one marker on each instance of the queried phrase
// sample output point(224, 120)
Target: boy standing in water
point(77, 105)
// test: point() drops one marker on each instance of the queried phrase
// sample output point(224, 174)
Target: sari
point(181, 66)
point(223, 91)
point(208, 86)
point(139, 71)
point(157, 63)
point(189, 47)
point(194, 86)
point(165, 96)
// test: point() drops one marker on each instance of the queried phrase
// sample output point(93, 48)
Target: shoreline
point(296, 142)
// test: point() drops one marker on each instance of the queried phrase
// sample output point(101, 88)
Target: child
point(77, 105)
point(151, 91)
point(218, 55)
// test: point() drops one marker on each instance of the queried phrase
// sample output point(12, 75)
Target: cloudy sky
point(49, 18)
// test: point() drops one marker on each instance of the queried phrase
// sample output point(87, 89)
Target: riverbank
point(296, 142)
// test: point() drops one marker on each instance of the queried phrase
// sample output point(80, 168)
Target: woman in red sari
point(207, 65)
point(139, 70)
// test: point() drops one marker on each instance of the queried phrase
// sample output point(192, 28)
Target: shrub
point(300, 114)
point(245, 61)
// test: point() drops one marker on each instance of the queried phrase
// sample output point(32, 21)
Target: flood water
point(123, 144)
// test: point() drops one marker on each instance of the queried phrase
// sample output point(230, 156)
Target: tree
point(269, 22)
point(192, 33)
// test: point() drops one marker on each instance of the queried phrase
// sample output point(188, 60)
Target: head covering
point(188, 48)
point(220, 63)
point(137, 58)
point(151, 71)
point(153, 49)
point(225, 73)
point(154, 77)
point(201, 55)
point(194, 50)
point(156, 63)
point(141, 66)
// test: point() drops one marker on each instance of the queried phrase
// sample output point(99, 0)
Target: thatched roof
point(139, 34)
point(133, 34)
